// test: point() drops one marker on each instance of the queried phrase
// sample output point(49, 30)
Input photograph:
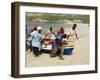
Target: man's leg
point(53, 53)
point(36, 51)
point(61, 53)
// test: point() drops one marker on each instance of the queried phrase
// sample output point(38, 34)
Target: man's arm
point(76, 35)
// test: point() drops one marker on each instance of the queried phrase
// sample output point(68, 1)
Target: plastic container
point(68, 50)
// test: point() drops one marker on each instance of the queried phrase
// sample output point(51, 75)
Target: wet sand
point(79, 56)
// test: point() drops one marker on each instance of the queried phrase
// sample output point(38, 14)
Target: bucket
point(68, 50)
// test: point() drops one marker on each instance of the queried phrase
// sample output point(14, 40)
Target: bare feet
point(61, 58)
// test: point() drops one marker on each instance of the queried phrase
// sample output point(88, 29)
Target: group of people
point(36, 40)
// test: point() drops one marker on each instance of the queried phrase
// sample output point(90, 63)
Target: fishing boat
point(68, 46)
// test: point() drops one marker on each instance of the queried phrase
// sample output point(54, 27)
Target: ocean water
point(57, 25)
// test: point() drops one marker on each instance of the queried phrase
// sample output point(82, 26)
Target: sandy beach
point(79, 56)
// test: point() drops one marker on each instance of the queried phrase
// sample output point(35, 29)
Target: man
point(73, 33)
point(29, 39)
point(57, 45)
point(36, 41)
point(50, 34)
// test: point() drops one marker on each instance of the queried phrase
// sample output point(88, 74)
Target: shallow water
point(56, 26)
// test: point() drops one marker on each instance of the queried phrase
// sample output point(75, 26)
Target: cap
point(34, 27)
point(39, 28)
